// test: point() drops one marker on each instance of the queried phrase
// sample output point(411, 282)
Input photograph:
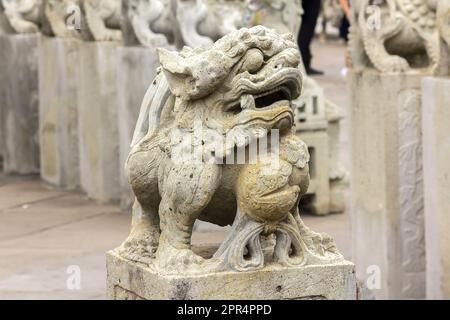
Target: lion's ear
point(194, 76)
point(172, 62)
point(177, 72)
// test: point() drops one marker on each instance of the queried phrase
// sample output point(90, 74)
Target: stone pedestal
point(387, 182)
point(127, 280)
point(319, 186)
point(59, 65)
point(97, 119)
point(19, 102)
point(136, 71)
point(436, 163)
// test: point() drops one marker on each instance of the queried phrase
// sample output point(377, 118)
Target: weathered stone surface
point(283, 16)
point(97, 119)
point(4, 25)
point(103, 19)
point(442, 17)
point(59, 64)
point(182, 167)
point(319, 188)
point(19, 100)
point(387, 180)
point(131, 281)
point(318, 123)
point(394, 36)
point(147, 22)
point(3, 29)
point(136, 69)
point(314, 111)
point(23, 16)
point(201, 22)
point(436, 151)
point(61, 18)
point(2, 142)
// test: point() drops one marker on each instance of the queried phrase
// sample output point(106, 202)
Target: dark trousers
point(343, 30)
point(311, 10)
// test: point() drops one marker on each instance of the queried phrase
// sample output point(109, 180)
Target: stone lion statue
point(194, 23)
point(282, 15)
point(394, 35)
point(57, 14)
point(241, 87)
point(200, 22)
point(103, 19)
point(23, 16)
point(148, 23)
point(98, 20)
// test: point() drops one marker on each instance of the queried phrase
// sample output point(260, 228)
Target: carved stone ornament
point(23, 16)
point(238, 90)
point(394, 35)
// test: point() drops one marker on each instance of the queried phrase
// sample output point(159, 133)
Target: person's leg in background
point(311, 10)
point(343, 30)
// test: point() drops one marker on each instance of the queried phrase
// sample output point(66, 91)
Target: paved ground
point(43, 231)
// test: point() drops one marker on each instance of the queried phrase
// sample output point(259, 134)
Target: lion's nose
point(284, 124)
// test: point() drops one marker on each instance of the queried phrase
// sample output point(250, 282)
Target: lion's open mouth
point(267, 103)
point(273, 97)
point(275, 91)
point(279, 96)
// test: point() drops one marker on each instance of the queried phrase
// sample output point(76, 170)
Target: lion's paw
point(175, 261)
point(26, 27)
point(395, 64)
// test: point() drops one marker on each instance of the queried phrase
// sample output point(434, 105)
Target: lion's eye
point(254, 60)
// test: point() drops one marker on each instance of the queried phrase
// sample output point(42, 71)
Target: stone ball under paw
point(264, 192)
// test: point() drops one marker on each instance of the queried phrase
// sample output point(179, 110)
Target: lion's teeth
point(248, 102)
point(259, 132)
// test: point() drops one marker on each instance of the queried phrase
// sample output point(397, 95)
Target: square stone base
point(127, 280)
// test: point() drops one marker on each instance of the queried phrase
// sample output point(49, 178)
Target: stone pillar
point(59, 65)
point(97, 121)
point(2, 134)
point(136, 71)
point(387, 181)
point(19, 103)
point(436, 161)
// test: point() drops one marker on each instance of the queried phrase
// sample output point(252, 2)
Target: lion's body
point(184, 166)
